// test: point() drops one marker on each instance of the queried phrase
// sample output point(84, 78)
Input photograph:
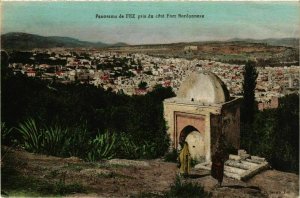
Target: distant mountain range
point(18, 40)
point(25, 41)
point(287, 42)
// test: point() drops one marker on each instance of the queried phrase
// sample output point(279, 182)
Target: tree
point(248, 107)
point(5, 70)
point(275, 134)
point(286, 155)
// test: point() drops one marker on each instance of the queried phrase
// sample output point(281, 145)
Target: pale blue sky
point(223, 20)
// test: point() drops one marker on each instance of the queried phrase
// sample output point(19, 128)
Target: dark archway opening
point(184, 133)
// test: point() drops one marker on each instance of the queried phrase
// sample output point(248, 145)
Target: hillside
point(287, 42)
point(24, 41)
point(19, 40)
point(27, 174)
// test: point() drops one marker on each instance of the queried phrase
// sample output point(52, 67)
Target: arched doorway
point(195, 140)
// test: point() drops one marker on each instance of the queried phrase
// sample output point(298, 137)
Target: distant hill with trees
point(25, 41)
point(287, 42)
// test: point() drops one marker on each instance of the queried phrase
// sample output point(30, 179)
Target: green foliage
point(48, 140)
point(275, 135)
point(128, 149)
point(76, 143)
point(286, 144)
point(53, 140)
point(5, 132)
point(103, 146)
point(83, 110)
point(171, 156)
point(249, 84)
point(32, 135)
point(248, 106)
point(186, 189)
point(131, 150)
point(58, 141)
point(148, 150)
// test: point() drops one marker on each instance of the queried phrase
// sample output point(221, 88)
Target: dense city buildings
point(137, 73)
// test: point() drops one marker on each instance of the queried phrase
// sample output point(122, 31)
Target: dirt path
point(124, 178)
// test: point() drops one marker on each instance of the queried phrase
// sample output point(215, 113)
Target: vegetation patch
point(15, 184)
point(171, 156)
point(186, 189)
point(55, 121)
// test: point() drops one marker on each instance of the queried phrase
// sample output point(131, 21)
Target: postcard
point(150, 99)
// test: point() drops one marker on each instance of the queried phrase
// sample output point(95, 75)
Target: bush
point(76, 144)
point(275, 135)
point(186, 189)
point(171, 156)
point(140, 117)
point(53, 140)
point(128, 149)
point(103, 146)
point(31, 136)
point(131, 150)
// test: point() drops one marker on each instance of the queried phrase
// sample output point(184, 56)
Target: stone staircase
point(241, 166)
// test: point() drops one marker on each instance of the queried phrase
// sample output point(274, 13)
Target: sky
point(222, 20)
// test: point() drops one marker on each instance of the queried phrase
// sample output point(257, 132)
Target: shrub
point(102, 147)
point(148, 150)
point(38, 139)
point(171, 156)
point(186, 189)
point(129, 149)
point(53, 140)
point(76, 144)
point(31, 135)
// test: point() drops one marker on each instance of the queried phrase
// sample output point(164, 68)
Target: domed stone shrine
point(201, 112)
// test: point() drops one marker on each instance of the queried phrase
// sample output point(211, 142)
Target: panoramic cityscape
point(124, 72)
point(150, 99)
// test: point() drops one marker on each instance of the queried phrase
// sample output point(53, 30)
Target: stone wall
point(231, 123)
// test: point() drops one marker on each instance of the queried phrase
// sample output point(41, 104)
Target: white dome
point(204, 87)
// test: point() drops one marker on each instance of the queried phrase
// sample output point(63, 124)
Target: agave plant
point(148, 150)
point(128, 148)
point(76, 143)
point(53, 140)
point(102, 147)
point(31, 135)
